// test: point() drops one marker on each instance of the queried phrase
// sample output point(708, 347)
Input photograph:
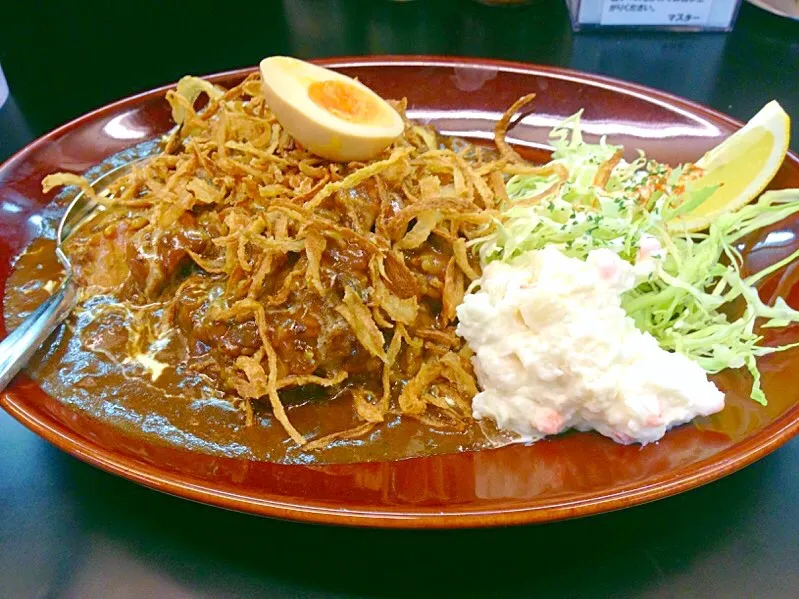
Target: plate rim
point(737, 456)
point(765, 6)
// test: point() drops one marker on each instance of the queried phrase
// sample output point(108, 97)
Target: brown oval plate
point(572, 475)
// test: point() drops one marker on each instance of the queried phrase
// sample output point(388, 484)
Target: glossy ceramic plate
point(782, 8)
point(573, 475)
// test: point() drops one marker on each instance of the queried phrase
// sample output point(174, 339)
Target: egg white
point(286, 83)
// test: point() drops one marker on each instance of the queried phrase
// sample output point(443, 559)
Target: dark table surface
point(68, 530)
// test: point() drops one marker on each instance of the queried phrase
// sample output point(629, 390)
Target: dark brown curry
point(240, 295)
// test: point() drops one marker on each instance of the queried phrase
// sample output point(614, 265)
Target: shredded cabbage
point(684, 297)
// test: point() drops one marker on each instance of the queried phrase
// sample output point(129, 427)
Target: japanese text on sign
point(655, 12)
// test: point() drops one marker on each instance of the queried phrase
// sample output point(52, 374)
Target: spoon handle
point(18, 347)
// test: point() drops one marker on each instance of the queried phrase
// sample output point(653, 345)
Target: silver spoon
point(18, 347)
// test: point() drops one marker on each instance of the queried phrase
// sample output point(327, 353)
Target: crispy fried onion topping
point(287, 271)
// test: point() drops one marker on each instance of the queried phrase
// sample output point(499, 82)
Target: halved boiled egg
point(330, 114)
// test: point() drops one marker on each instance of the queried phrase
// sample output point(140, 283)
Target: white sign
point(680, 13)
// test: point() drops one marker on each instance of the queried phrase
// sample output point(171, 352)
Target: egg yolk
point(345, 101)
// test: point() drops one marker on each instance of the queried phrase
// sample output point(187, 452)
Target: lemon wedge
point(742, 165)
